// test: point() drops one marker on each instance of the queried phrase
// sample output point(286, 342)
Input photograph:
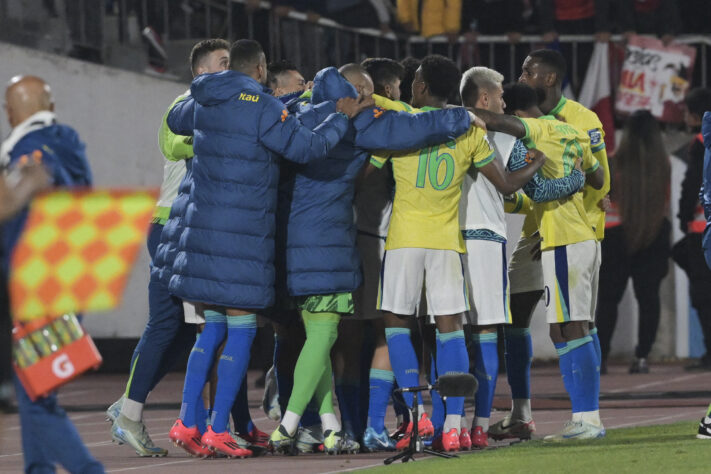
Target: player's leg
point(381, 379)
point(704, 431)
point(231, 369)
point(346, 365)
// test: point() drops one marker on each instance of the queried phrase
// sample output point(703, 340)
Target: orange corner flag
point(77, 250)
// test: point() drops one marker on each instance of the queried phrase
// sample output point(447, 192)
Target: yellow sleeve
point(518, 203)
point(453, 16)
point(378, 161)
point(482, 152)
point(407, 12)
point(389, 104)
point(534, 131)
point(601, 156)
point(590, 163)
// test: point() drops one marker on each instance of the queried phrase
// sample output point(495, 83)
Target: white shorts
point(403, 272)
point(191, 315)
point(596, 280)
point(525, 273)
point(365, 298)
point(570, 275)
point(487, 282)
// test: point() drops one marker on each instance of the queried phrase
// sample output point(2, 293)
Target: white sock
point(290, 422)
point(132, 410)
point(399, 419)
point(452, 421)
point(421, 409)
point(329, 421)
point(592, 417)
point(483, 422)
point(578, 416)
point(521, 409)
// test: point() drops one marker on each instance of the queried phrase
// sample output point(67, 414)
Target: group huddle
point(338, 205)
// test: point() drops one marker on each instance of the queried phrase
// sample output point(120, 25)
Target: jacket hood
point(213, 89)
point(330, 85)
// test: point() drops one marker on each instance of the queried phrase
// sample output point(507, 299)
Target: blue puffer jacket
point(316, 250)
point(225, 252)
point(63, 155)
point(706, 186)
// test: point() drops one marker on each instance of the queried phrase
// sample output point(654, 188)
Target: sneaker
point(339, 443)
point(270, 399)
point(424, 426)
point(374, 441)
point(224, 443)
point(639, 366)
point(309, 439)
point(134, 434)
point(189, 439)
point(507, 429)
point(576, 430)
point(447, 442)
point(114, 410)
point(480, 438)
point(704, 428)
point(400, 431)
point(703, 363)
point(281, 442)
point(465, 440)
point(256, 438)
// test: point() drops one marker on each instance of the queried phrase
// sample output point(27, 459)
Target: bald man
point(48, 437)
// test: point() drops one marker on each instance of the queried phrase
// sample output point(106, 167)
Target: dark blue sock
point(438, 411)
point(232, 367)
point(586, 374)
point(403, 360)
point(452, 358)
point(596, 345)
point(240, 410)
point(311, 416)
point(285, 381)
point(200, 364)
point(519, 353)
point(201, 416)
point(566, 372)
point(399, 405)
point(486, 370)
point(348, 395)
point(381, 385)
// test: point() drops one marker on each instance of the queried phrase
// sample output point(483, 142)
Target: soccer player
point(225, 252)
point(284, 79)
point(705, 424)
point(483, 224)
point(570, 255)
point(166, 334)
point(424, 244)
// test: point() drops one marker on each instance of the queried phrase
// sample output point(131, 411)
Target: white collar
point(41, 119)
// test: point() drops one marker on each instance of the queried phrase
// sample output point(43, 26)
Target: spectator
point(636, 243)
point(688, 252)
point(651, 17)
point(436, 17)
point(302, 43)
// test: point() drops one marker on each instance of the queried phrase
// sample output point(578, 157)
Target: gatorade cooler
point(49, 352)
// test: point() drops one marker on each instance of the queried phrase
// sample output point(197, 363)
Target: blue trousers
point(49, 437)
point(165, 338)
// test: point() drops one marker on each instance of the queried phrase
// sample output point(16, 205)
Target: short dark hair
point(552, 59)
point(410, 64)
point(698, 101)
point(245, 54)
point(383, 71)
point(276, 68)
point(518, 96)
point(203, 48)
point(441, 76)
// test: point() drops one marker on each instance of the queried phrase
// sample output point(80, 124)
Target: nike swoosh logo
point(382, 443)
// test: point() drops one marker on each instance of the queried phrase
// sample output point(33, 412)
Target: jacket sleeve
point(693, 177)
point(174, 147)
point(389, 130)
point(283, 134)
point(181, 118)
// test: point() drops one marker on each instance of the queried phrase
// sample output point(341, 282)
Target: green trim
point(380, 374)
point(518, 205)
point(448, 336)
point(509, 331)
point(341, 303)
point(561, 103)
point(215, 317)
point(563, 350)
point(485, 337)
point(244, 321)
point(597, 148)
point(547, 117)
point(485, 161)
point(405, 104)
point(527, 137)
point(593, 168)
point(377, 163)
point(593, 331)
point(391, 332)
point(306, 95)
point(130, 377)
point(575, 343)
point(161, 214)
point(427, 108)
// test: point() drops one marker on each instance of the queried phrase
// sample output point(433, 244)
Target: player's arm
point(509, 182)
point(594, 173)
point(181, 118)
point(501, 123)
point(174, 147)
point(541, 189)
point(517, 203)
point(13, 197)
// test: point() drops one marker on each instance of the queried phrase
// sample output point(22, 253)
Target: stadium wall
point(117, 114)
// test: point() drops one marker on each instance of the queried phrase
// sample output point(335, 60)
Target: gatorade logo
point(62, 367)
point(547, 295)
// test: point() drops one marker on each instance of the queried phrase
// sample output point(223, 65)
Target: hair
point(245, 55)
point(383, 71)
point(641, 179)
point(477, 78)
point(441, 76)
point(410, 64)
point(519, 96)
point(553, 60)
point(352, 68)
point(276, 69)
point(698, 101)
point(204, 48)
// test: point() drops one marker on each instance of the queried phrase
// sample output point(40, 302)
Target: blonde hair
point(476, 78)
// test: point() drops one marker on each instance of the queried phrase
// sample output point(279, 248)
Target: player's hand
point(352, 107)
point(604, 203)
point(479, 123)
point(535, 157)
point(579, 165)
point(309, 85)
point(37, 175)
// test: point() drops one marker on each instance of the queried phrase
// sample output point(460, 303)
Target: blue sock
point(348, 396)
point(381, 385)
point(240, 410)
point(566, 372)
point(200, 364)
point(201, 416)
point(519, 353)
point(586, 373)
point(486, 370)
point(285, 381)
point(232, 367)
point(438, 410)
point(403, 360)
point(452, 358)
point(399, 405)
point(311, 416)
point(596, 345)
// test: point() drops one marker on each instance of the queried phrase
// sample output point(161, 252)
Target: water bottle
point(45, 340)
point(73, 325)
point(23, 350)
point(62, 331)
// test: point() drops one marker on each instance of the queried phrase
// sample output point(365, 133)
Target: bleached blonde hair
point(476, 78)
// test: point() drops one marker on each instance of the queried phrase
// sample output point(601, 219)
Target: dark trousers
point(689, 254)
point(647, 268)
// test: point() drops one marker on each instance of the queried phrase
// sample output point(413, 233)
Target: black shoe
point(703, 363)
point(639, 366)
point(704, 428)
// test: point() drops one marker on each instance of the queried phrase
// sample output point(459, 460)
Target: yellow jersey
point(586, 120)
point(519, 203)
point(428, 187)
point(564, 221)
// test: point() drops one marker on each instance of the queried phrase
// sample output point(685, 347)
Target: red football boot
point(189, 439)
point(256, 437)
point(425, 428)
point(447, 442)
point(480, 439)
point(465, 441)
point(223, 443)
